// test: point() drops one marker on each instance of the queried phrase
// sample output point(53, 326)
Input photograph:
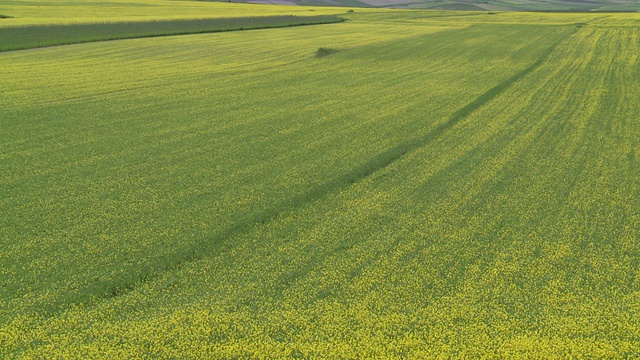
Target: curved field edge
point(37, 36)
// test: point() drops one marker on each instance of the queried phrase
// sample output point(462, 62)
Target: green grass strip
point(29, 37)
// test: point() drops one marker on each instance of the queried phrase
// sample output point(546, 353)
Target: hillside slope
point(474, 5)
point(429, 184)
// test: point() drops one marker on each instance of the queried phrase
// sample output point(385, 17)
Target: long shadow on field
point(219, 243)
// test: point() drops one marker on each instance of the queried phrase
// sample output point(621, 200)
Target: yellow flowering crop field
point(402, 184)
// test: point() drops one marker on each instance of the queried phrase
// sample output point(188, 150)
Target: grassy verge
point(28, 37)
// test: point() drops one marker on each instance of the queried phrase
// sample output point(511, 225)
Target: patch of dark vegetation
point(350, 11)
point(28, 37)
point(322, 52)
point(5, 16)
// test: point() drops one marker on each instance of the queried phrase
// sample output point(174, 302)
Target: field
point(403, 184)
point(475, 5)
point(34, 36)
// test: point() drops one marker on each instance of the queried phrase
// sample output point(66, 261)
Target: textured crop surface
point(34, 36)
point(398, 185)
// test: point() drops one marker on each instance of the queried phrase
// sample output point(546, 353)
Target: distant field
point(34, 36)
point(475, 5)
point(30, 12)
point(404, 184)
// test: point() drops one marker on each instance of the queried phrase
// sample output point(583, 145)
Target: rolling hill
point(401, 184)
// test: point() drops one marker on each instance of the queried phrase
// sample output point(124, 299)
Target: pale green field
point(445, 185)
point(80, 11)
